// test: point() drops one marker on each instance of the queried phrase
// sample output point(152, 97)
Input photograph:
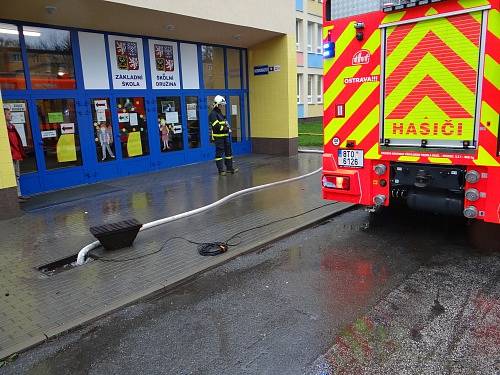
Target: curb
point(166, 286)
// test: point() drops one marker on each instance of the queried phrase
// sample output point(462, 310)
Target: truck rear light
point(472, 177)
point(470, 212)
point(336, 182)
point(472, 195)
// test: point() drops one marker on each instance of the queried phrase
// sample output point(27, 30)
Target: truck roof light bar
point(394, 5)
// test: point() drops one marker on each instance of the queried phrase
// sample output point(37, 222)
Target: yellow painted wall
point(314, 7)
point(273, 97)
point(7, 176)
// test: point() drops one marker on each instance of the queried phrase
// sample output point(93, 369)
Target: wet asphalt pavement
point(395, 293)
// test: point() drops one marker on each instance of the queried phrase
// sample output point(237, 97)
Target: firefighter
point(221, 137)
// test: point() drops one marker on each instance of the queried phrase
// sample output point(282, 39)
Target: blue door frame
point(92, 170)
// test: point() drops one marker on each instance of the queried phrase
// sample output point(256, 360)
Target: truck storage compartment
point(431, 188)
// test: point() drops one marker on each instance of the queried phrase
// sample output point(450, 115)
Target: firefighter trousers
point(223, 153)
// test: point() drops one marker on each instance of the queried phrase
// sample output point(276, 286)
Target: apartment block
point(309, 44)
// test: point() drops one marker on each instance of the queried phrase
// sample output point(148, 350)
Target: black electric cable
point(208, 248)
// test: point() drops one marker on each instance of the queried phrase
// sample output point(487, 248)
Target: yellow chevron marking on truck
point(485, 159)
point(431, 66)
point(473, 3)
point(326, 29)
point(440, 160)
point(373, 153)
point(341, 44)
point(450, 36)
point(364, 128)
point(355, 101)
point(494, 22)
point(489, 114)
point(458, 42)
point(347, 36)
point(393, 17)
point(431, 12)
point(492, 71)
point(338, 85)
point(409, 158)
point(404, 48)
point(478, 16)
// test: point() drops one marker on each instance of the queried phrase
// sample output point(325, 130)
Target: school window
point(193, 121)
point(319, 40)
point(233, 68)
point(235, 122)
point(50, 58)
point(11, 64)
point(310, 36)
point(244, 65)
point(57, 120)
point(131, 114)
point(19, 117)
point(310, 81)
point(213, 67)
point(298, 34)
point(299, 88)
point(319, 89)
point(169, 114)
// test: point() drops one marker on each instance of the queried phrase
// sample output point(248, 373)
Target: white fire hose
point(82, 254)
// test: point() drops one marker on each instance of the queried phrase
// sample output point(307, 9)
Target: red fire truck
point(411, 96)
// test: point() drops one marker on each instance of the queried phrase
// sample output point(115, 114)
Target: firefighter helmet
point(219, 100)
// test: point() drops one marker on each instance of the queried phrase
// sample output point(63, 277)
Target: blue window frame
point(92, 169)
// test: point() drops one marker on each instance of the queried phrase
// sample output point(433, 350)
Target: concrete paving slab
point(34, 307)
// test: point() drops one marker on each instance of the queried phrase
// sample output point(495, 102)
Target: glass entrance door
point(193, 122)
point(103, 130)
point(61, 154)
point(198, 146)
point(235, 119)
point(58, 127)
point(132, 124)
point(169, 113)
point(17, 117)
point(132, 138)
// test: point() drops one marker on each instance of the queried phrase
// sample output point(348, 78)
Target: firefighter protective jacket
point(218, 123)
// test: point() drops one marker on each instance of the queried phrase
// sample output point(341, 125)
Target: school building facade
point(99, 89)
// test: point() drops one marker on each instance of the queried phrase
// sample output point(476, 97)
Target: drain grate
point(60, 265)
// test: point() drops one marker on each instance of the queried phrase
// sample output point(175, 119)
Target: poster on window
point(127, 62)
point(164, 61)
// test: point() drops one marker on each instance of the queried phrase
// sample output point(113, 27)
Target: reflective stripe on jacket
point(218, 123)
